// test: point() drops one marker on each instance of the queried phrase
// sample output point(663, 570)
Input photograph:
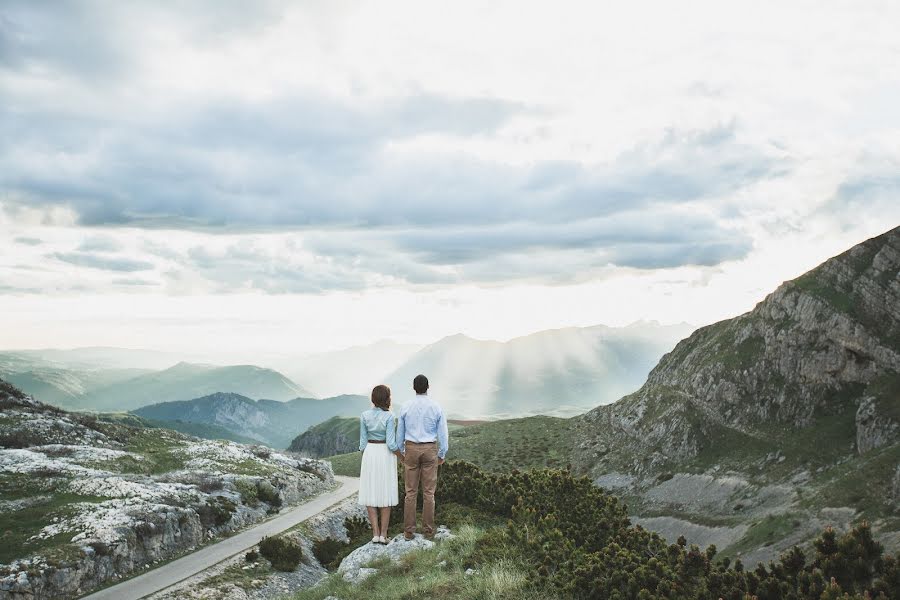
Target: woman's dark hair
point(420, 384)
point(381, 397)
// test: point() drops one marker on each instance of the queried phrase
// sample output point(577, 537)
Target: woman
point(378, 473)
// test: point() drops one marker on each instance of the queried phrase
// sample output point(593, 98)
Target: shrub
point(357, 527)
point(261, 451)
point(209, 483)
point(268, 493)
point(251, 556)
point(20, 438)
point(248, 491)
point(11, 390)
point(100, 548)
point(215, 512)
point(577, 539)
point(329, 552)
point(284, 554)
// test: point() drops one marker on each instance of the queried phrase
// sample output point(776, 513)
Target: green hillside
point(200, 430)
point(497, 446)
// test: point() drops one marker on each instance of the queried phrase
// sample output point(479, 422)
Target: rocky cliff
point(86, 501)
point(338, 435)
point(821, 346)
point(789, 408)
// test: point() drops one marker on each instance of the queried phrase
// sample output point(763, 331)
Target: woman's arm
point(391, 433)
point(363, 433)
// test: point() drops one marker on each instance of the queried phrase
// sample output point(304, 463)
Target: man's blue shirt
point(422, 421)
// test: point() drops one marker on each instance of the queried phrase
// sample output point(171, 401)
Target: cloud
point(103, 262)
point(28, 241)
point(100, 243)
point(241, 125)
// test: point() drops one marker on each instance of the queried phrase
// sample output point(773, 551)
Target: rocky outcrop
point(821, 345)
point(873, 429)
point(338, 435)
point(121, 499)
point(354, 568)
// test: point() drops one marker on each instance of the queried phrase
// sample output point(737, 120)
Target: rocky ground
point(86, 501)
point(243, 579)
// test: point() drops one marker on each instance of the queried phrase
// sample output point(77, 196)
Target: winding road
point(171, 573)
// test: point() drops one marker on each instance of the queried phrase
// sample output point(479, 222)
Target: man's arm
point(401, 432)
point(443, 436)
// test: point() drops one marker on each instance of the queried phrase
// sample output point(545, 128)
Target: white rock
point(359, 575)
point(354, 562)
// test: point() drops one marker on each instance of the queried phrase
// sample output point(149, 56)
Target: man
point(422, 429)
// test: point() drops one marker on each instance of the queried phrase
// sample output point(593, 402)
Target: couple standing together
point(419, 438)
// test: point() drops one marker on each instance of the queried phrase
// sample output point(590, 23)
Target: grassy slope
point(525, 443)
point(200, 430)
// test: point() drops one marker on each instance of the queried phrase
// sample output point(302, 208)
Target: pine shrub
point(283, 553)
point(578, 540)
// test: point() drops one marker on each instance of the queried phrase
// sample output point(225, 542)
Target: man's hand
point(398, 454)
point(441, 461)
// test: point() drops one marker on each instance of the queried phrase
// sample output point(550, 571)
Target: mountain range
point(563, 372)
point(268, 421)
point(560, 371)
point(99, 389)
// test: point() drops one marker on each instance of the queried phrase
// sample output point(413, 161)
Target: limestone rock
point(873, 430)
point(355, 562)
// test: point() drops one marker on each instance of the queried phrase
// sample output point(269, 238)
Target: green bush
point(330, 552)
point(284, 554)
point(578, 540)
point(215, 512)
point(248, 491)
point(268, 493)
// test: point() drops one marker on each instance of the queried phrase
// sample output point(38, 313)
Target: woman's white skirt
point(378, 476)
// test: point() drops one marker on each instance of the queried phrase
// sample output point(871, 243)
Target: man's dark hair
point(420, 384)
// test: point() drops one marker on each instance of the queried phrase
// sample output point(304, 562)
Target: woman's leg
point(385, 519)
point(373, 519)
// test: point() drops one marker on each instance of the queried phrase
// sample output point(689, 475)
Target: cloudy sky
point(311, 175)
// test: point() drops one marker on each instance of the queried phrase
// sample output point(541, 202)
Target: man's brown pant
point(421, 464)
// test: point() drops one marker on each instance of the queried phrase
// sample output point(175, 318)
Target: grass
point(346, 464)
point(812, 284)
point(200, 430)
point(862, 483)
point(527, 443)
point(439, 572)
point(17, 527)
point(160, 450)
point(242, 575)
point(764, 532)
